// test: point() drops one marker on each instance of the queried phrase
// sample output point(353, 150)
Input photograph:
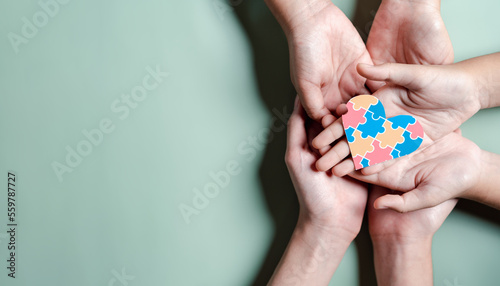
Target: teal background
point(228, 78)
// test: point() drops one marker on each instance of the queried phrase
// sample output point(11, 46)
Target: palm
point(411, 33)
point(329, 200)
point(324, 52)
point(436, 105)
point(444, 169)
point(416, 225)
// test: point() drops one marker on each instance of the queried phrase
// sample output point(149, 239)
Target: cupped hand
point(441, 98)
point(327, 201)
point(445, 169)
point(410, 32)
point(324, 51)
point(411, 227)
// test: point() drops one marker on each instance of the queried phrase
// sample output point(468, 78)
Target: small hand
point(440, 97)
point(324, 51)
point(325, 200)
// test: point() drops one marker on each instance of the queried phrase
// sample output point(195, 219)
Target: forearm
point(487, 190)
point(403, 263)
point(291, 13)
point(431, 3)
point(485, 71)
point(311, 258)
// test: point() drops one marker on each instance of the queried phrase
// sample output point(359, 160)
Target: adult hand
point(410, 32)
point(325, 48)
point(331, 211)
point(402, 242)
point(327, 201)
point(445, 169)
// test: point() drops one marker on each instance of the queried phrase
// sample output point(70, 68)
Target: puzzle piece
point(357, 162)
point(372, 127)
point(379, 154)
point(416, 130)
point(360, 145)
point(402, 121)
point(363, 101)
point(355, 117)
point(377, 110)
point(391, 136)
point(365, 163)
point(409, 145)
point(348, 134)
point(374, 139)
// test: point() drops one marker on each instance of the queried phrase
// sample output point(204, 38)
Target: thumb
point(419, 198)
point(400, 74)
point(313, 102)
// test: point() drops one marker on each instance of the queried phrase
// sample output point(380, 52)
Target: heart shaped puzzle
point(373, 138)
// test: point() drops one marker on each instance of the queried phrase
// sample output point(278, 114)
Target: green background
point(228, 78)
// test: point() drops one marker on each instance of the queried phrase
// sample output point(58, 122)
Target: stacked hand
point(413, 75)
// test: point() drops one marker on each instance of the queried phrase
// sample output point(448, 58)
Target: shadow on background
point(270, 55)
point(271, 64)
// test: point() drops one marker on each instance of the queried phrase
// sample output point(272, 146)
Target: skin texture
point(441, 98)
point(324, 50)
point(402, 241)
point(409, 32)
point(331, 211)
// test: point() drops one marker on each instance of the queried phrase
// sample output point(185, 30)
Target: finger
point(374, 85)
point(323, 150)
point(333, 156)
point(296, 129)
point(331, 133)
point(400, 74)
point(327, 120)
point(341, 109)
point(411, 201)
point(312, 100)
point(343, 168)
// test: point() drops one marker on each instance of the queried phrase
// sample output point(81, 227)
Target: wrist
point(327, 233)
point(292, 13)
point(414, 2)
point(401, 243)
point(403, 263)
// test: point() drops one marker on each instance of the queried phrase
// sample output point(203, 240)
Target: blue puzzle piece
point(402, 121)
point(409, 145)
point(372, 126)
point(348, 134)
point(377, 110)
point(395, 154)
point(365, 162)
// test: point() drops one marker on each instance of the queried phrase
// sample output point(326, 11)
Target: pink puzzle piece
point(379, 155)
point(374, 131)
point(357, 162)
point(415, 131)
point(355, 118)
